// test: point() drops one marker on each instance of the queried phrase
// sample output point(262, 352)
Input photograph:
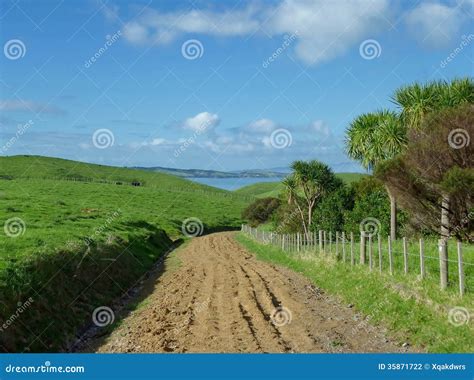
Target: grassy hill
point(78, 235)
point(273, 189)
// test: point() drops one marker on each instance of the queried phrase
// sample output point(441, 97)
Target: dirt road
point(221, 299)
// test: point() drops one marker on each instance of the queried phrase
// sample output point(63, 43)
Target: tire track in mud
point(221, 299)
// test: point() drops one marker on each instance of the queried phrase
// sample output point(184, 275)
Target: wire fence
point(423, 258)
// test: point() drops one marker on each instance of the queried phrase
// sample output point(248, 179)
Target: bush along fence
point(381, 254)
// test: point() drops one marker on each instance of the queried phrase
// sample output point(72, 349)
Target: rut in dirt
point(222, 299)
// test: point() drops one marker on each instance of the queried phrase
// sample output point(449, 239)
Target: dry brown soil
point(222, 299)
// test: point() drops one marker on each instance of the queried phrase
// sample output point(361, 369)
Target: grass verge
point(422, 322)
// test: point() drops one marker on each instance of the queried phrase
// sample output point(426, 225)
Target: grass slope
point(422, 321)
point(85, 243)
point(273, 189)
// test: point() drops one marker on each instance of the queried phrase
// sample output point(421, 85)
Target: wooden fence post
point(330, 241)
point(405, 255)
point(379, 249)
point(320, 241)
point(443, 265)
point(337, 245)
point(362, 247)
point(370, 252)
point(422, 259)
point(343, 246)
point(390, 257)
point(460, 269)
point(352, 249)
point(325, 241)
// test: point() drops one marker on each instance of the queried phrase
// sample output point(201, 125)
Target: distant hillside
point(200, 173)
point(273, 189)
point(38, 167)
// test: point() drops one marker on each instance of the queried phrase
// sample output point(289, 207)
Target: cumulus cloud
point(261, 125)
point(325, 29)
point(435, 24)
point(201, 122)
point(160, 28)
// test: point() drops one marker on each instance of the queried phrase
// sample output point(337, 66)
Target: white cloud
point(262, 125)
point(435, 24)
point(201, 122)
point(158, 141)
point(327, 29)
point(320, 127)
point(160, 28)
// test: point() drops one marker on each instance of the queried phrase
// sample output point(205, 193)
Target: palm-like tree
point(375, 137)
point(308, 183)
point(417, 100)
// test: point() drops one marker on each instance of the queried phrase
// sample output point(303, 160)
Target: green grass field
point(273, 189)
point(415, 312)
point(127, 228)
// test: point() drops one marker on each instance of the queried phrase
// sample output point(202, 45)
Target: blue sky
point(214, 85)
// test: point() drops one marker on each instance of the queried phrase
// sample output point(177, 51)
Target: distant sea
point(233, 183)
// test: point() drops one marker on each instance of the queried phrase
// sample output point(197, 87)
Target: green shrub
point(261, 210)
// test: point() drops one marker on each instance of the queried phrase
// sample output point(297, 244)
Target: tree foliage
point(261, 210)
point(438, 162)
